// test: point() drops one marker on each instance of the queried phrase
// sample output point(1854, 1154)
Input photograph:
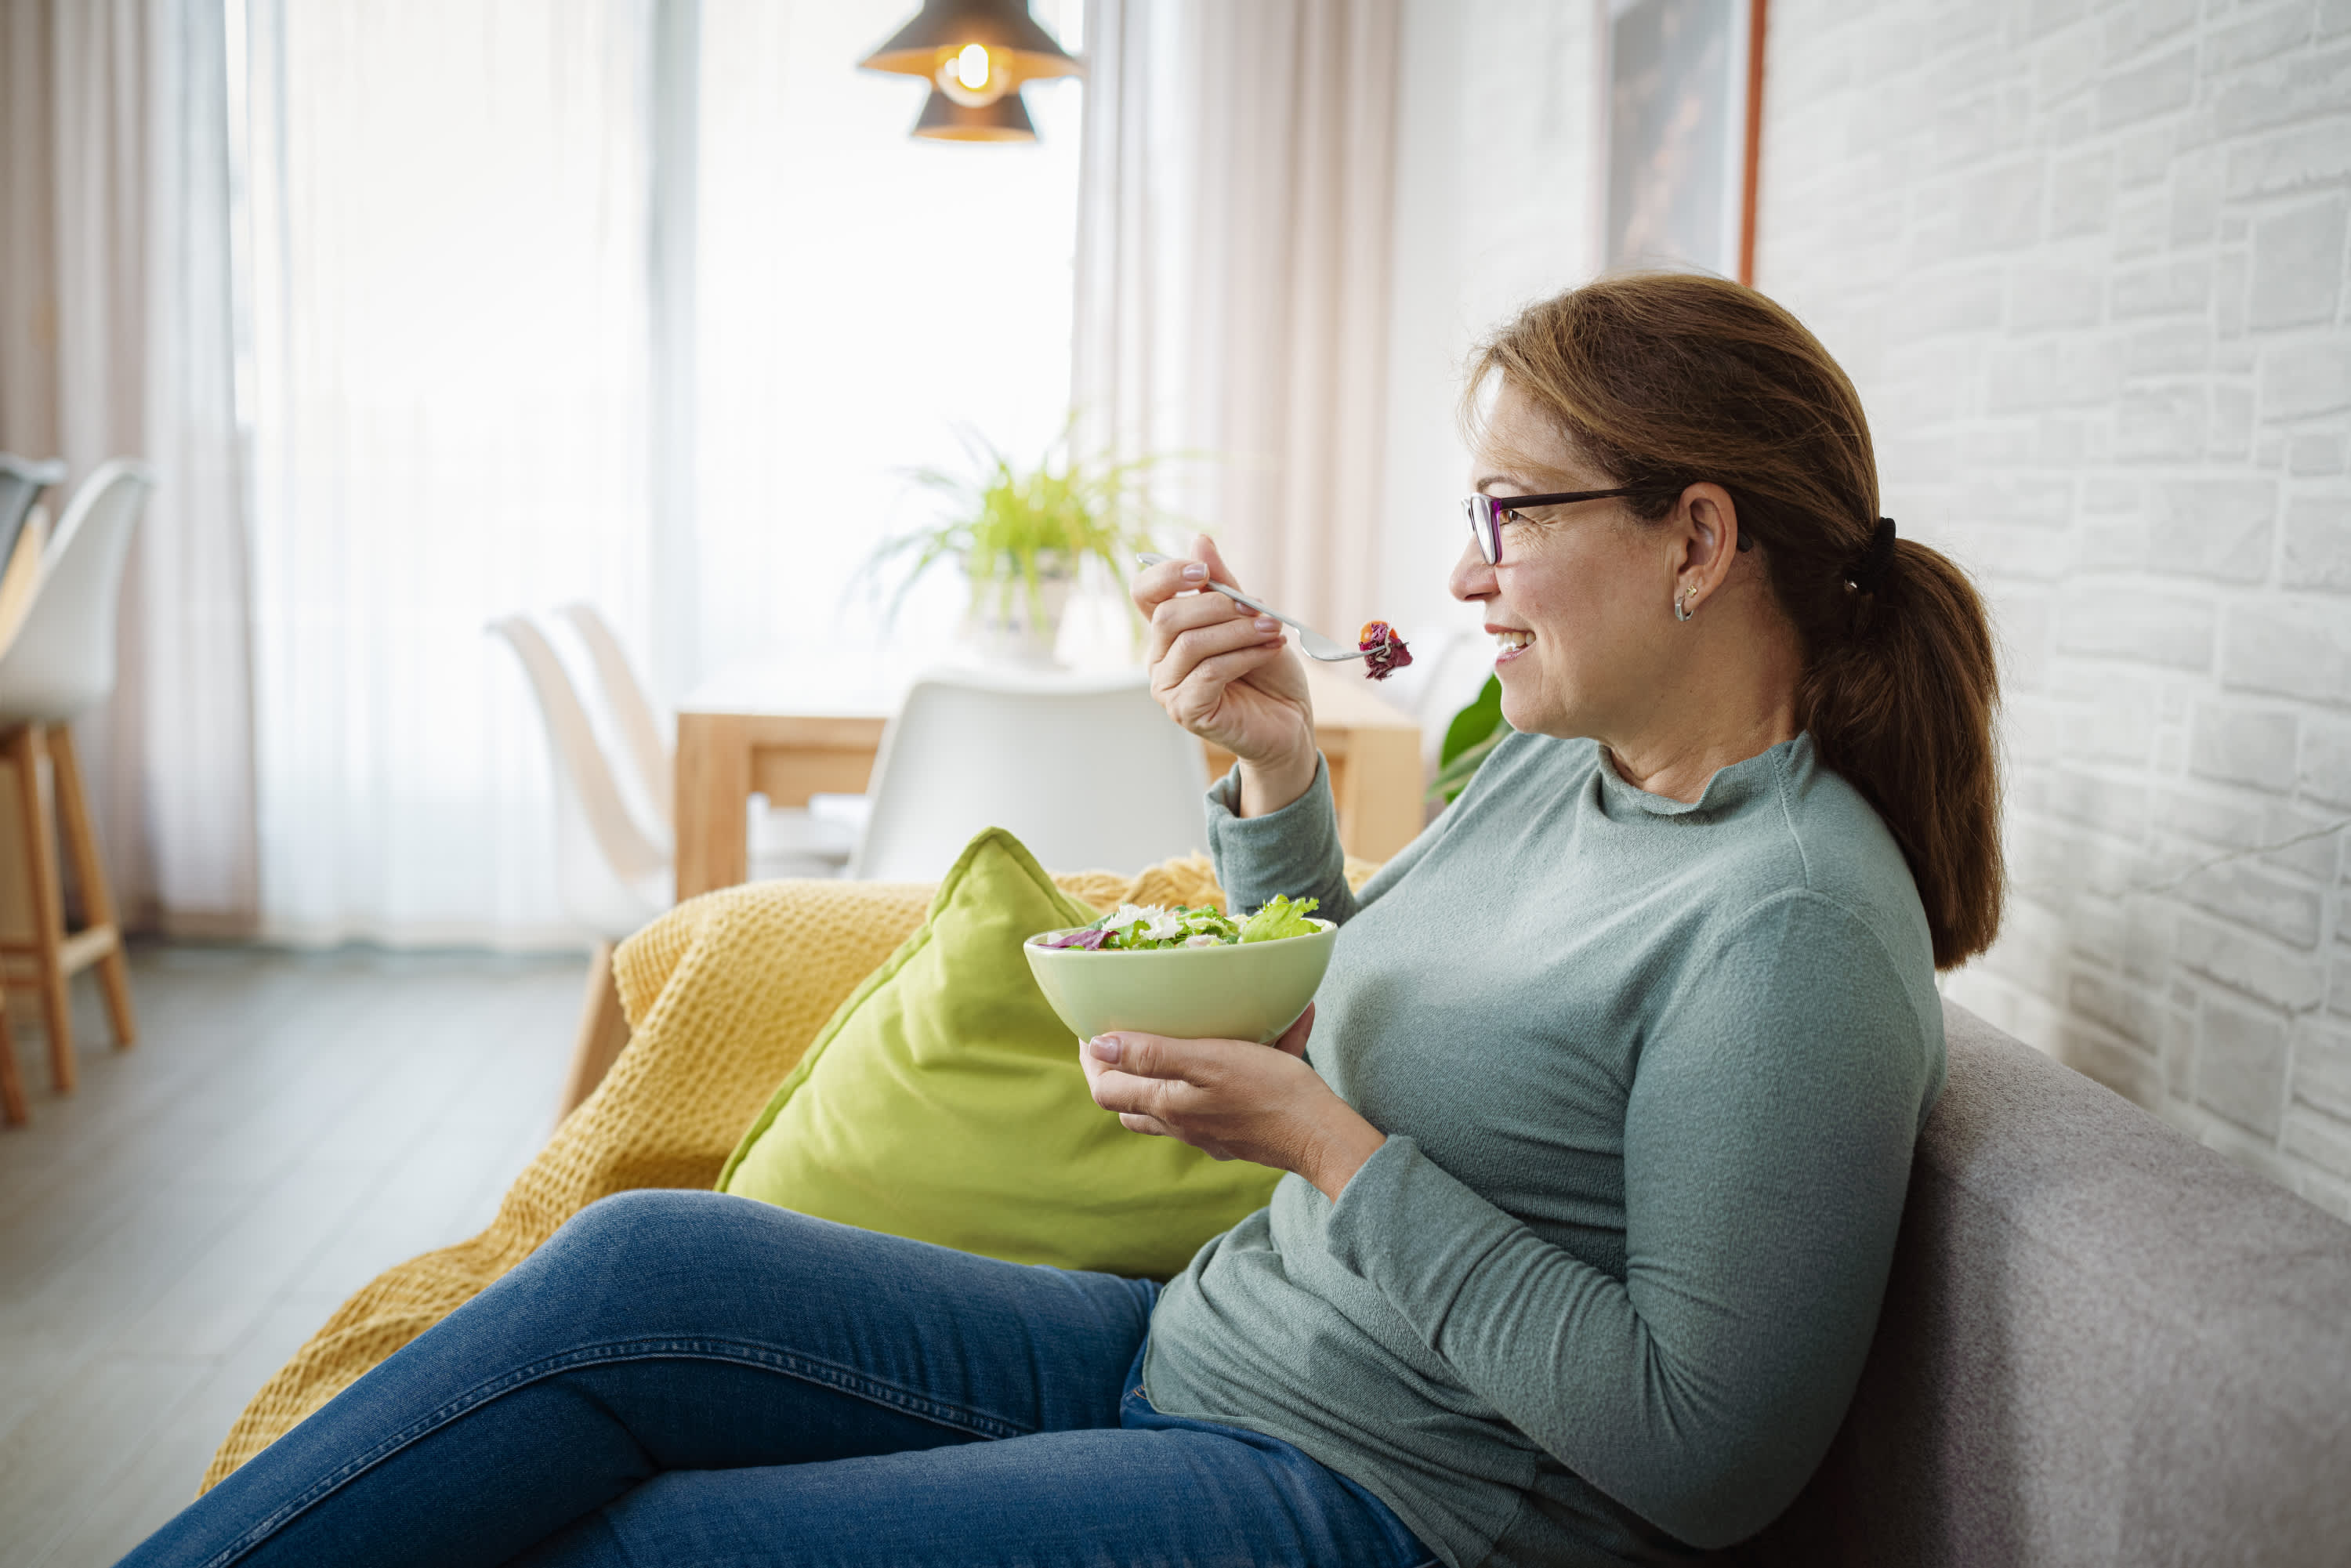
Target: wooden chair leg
point(97, 894)
point(603, 1033)
point(25, 749)
point(12, 1084)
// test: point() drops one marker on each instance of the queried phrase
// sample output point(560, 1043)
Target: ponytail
point(1902, 707)
point(1666, 379)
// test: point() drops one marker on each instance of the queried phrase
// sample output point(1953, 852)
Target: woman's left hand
point(1234, 1098)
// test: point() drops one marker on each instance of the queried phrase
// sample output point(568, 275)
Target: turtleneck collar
point(1730, 787)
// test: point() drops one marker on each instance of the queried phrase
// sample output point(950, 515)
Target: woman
point(1596, 1164)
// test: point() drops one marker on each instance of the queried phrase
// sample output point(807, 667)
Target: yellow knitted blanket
point(722, 994)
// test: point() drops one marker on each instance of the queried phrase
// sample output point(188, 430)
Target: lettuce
point(1147, 927)
point(1280, 916)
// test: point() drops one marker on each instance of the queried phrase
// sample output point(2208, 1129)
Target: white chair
point(1087, 770)
point(615, 872)
point(60, 664)
point(813, 840)
point(21, 483)
point(615, 867)
point(631, 710)
point(615, 875)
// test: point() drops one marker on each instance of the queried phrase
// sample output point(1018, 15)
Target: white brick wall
point(2087, 264)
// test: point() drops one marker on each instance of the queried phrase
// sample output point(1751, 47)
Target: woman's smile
point(1510, 642)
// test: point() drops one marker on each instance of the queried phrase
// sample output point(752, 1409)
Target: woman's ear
point(1706, 523)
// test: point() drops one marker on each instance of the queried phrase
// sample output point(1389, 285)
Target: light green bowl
point(1247, 990)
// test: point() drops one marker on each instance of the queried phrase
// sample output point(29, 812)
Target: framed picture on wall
point(1685, 114)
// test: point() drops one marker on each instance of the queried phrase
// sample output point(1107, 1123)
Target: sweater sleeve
point(1294, 852)
point(1767, 1148)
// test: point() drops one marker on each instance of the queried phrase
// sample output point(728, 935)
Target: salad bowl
point(1229, 990)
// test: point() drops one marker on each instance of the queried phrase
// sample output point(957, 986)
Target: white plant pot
point(1002, 626)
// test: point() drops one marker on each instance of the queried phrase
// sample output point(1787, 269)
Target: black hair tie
point(1869, 571)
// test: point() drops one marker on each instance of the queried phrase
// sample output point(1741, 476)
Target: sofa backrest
point(2102, 1343)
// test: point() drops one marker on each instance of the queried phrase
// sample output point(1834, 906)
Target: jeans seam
point(805, 1368)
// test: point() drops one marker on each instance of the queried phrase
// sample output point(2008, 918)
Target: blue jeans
point(682, 1378)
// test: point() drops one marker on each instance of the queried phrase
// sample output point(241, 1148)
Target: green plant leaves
point(1475, 722)
point(1472, 736)
point(1011, 525)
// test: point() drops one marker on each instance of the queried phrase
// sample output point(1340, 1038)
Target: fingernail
point(1106, 1047)
point(1267, 623)
point(1194, 572)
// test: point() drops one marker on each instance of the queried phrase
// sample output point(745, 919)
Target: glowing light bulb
point(972, 76)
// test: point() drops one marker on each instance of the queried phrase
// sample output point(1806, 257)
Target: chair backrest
point(21, 483)
point(631, 710)
point(61, 660)
point(1085, 770)
point(628, 882)
point(2102, 1343)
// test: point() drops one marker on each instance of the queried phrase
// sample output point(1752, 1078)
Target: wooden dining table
point(813, 727)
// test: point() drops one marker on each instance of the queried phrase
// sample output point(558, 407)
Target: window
point(447, 221)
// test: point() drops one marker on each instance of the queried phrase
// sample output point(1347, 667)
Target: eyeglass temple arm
point(1513, 503)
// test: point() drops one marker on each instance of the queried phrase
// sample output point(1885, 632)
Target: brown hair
point(1667, 379)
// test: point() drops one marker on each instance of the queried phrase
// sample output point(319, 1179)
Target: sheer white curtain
point(1233, 272)
point(447, 204)
point(454, 208)
point(115, 340)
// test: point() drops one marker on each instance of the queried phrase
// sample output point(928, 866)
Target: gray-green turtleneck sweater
point(1650, 1073)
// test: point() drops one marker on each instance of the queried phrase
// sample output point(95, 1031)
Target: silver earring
point(1681, 605)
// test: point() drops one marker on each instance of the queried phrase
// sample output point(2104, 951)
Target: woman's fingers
point(1148, 1075)
point(1141, 1055)
point(1200, 645)
point(1196, 700)
point(1203, 645)
point(1174, 618)
point(1186, 630)
point(1154, 1127)
point(1156, 1101)
point(1294, 1038)
point(1226, 1097)
point(1203, 550)
point(1174, 596)
point(1136, 1122)
point(1154, 585)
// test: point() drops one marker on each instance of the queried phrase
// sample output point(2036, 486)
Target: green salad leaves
point(1142, 928)
point(1282, 916)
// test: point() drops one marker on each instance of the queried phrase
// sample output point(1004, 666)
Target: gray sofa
point(2102, 1343)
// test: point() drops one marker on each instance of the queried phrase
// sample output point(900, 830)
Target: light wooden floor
point(289, 1126)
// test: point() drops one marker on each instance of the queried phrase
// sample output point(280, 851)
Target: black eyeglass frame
point(1487, 513)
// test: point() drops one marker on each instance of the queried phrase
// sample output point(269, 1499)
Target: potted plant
point(1470, 739)
point(1022, 536)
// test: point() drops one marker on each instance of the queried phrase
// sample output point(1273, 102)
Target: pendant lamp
point(1006, 120)
point(975, 54)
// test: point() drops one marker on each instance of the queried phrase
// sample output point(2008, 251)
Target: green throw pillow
point(945, 1101)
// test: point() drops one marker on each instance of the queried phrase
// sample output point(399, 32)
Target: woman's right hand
point(1228, 675)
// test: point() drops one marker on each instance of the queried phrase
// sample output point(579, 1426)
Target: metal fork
point(1330, 650)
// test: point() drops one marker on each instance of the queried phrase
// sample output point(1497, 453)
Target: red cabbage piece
point(1385, 653)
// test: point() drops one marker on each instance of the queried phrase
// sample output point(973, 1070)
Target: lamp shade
point(944, 27)
point(1005, 119)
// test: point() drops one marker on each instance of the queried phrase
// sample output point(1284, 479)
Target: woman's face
point(1580, 607)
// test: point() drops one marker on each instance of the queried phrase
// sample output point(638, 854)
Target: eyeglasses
point(1487, 514)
